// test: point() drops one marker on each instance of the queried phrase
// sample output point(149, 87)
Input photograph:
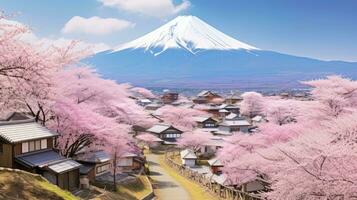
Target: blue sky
point(324, 29)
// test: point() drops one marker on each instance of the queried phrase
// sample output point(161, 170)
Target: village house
point(206, 97)
point(241, 125)
point(144, 102)
point(188, 157)
point(215, 166)
point(167, 133)
point(206, 122)
point(153, 106)
point(230, 108)
point(233, 99)
point(94, 164)
point(169, 97)
point(232, 117)
point(26, 145)
point(257, 120)
point(209, 148)
point(130, 162)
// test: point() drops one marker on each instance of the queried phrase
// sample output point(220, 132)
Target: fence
point(221, 191)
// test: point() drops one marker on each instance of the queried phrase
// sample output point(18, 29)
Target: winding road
point(166, 187)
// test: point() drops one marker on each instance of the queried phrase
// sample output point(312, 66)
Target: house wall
point(216, 170)
point(18, 146)
point(6, 159)
point(69, 180)
point(125, 162)
point(224, 128)
point(244, 129)
point(96, 173)
point(189, 162)
point(207, 123)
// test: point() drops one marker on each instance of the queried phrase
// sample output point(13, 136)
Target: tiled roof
point(159, 128)
point(188, 154)
point(235, 123)
point(231, 116)
point(23, 130)
point(39, 159)
point(215, 162)
point(200, 119)
point(202, 93)
point(64, 166)
point(93, 157)
point(86, 168)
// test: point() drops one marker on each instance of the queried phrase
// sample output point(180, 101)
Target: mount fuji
point(189, 53)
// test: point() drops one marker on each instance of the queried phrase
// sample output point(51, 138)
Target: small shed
point(188, 158)
point(215, 165)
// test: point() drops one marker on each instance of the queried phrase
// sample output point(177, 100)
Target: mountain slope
point(23, 185)
point(185, 32)
point(187, 52)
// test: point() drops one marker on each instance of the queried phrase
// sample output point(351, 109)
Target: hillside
point(23, 185)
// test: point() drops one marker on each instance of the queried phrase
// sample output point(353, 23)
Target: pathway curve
point(166, 187)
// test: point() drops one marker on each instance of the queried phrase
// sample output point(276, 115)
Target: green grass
point(23, 185)
point(135, 190)
point(196, 192)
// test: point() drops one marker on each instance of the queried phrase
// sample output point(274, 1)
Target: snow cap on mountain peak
point(185, 32)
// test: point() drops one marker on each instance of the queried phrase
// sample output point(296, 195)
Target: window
point(25, 147)
point(32, 146)
point(103, 168)
point(1, 148)
point(44, 144)
point(37, 145)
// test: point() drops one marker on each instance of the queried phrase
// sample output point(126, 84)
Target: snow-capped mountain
point(185, 32)
point(187, 52)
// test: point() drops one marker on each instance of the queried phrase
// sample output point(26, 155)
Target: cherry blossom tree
point(180, 117)
point(86, 104)
point(143, 92)
point(336, 96)
point(149, 139)
point(252, 104)
point(282, 111)
point(194, 140)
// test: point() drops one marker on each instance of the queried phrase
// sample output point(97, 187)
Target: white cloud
point(156, 8)
point(46, 42)
point(95, 25)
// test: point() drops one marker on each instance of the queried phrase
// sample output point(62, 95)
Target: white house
point(188, 158)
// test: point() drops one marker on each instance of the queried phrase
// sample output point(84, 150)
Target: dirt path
point(166, 188)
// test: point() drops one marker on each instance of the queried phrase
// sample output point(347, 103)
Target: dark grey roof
point(86, 168)
point(17, 116)
point(93, 157)
point(39, 159)
point(23, 130)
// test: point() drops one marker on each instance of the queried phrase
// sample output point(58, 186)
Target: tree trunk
point(115, 172)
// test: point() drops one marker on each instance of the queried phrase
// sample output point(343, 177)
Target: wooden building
point(94, 164)
point(167, 133)
point(206, 97)
point(241, 125)
point(215, 166)
point(169, 97)
point(188, 157)
point(233, 99)
point(26, 145)
point(130, 162)
point(206, 122)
